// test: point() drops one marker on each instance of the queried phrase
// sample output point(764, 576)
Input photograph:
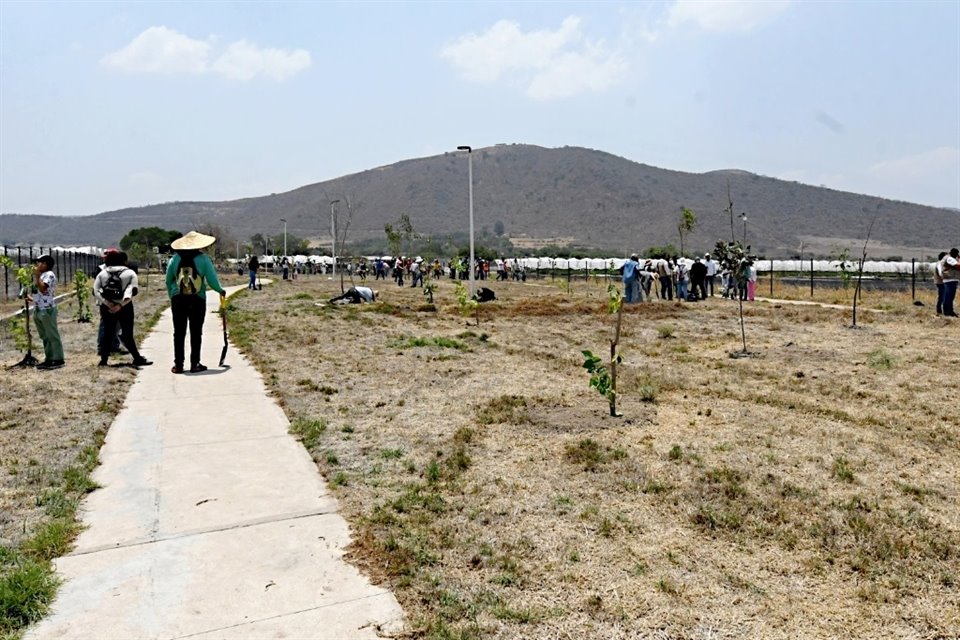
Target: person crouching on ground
point(188, 275)
point(45, 311)
point(355, 295)
point(114, 289)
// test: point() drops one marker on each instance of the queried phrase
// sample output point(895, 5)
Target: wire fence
point(66, 264)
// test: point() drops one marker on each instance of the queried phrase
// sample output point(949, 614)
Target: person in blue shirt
point(188, 275)
point(631, 280)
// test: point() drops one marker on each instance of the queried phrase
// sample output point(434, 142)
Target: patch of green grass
point(301, 296)
point(27, 587)
point(842, 470)
point(665, 331)
point(309, 431)
point(441, 342)
point(676, 453)
point(51, 540)
point(433, 472)
point(391, 454)
point(57, 504)
point(76, 479)
point(340, 479)
point(332, 458)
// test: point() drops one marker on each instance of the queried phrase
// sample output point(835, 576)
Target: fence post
point(6, 276)
point(771, 277)
point(913, 278)
point(569, 275)
point(586, 275)
point(811, 277)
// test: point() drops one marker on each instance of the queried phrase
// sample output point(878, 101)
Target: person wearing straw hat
point(188, 275)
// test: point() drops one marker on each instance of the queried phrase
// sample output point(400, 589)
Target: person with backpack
point(114, 288)
point(188, 275)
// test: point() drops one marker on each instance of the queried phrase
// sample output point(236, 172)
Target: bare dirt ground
point(811, 490)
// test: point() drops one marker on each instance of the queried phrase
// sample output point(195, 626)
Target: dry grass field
point(808, 491)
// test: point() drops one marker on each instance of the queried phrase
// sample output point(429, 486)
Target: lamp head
point(466, 148)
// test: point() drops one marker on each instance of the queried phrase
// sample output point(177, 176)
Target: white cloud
point(551, 64)
point(163, 50)
point(160, 50)
point(244, 61)
point(724, 16)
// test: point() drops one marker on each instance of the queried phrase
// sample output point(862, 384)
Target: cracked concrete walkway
point(212, 521)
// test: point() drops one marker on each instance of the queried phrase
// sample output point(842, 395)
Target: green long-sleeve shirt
point(204, 267)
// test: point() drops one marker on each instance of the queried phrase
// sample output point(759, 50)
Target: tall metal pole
point(469, 151)
point(333, 234)
point(284, 221)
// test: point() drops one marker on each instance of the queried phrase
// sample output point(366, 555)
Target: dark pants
point(710, 284)
point(110, 322)
point(949, 295)
point(939, 298)
point(699, 290)
point(666, 288)
point(187, 309)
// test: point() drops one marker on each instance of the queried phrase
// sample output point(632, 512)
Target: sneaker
point(50, 364)
point(102, 363)
point(176, 369)
point(142, 362)
point(197, 368)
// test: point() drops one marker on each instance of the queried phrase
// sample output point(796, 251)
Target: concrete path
point(212, 522)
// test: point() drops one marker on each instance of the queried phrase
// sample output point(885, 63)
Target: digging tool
point(223, 319)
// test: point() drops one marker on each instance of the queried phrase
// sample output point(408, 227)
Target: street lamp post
point(284, 221)
point(472, 266)
point(743, 216)
point(333, 234)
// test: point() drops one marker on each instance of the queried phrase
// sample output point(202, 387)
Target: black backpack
point(113, 289)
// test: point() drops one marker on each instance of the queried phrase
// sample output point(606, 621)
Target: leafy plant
point(604, 379)
point(465, 302)
point(734, 257)
point(428, 290)
point(82, 291)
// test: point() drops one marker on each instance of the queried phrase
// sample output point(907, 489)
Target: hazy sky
point(107, 105)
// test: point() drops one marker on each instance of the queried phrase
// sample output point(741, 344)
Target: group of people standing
point(668, 277)
point(188, 275)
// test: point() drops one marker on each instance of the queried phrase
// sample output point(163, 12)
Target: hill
point(586, 197)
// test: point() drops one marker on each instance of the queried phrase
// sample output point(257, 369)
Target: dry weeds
point(808, 491)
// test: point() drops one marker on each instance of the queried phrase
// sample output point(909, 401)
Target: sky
point(106, 105)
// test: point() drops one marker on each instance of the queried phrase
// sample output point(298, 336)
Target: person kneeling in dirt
point(355, 295)
point(484, 295)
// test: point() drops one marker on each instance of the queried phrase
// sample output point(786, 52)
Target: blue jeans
point(631, 291)
point(253, 279)
point(949, 294)
point(682, 290)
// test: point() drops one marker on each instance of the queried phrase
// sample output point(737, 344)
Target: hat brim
point(192, 240)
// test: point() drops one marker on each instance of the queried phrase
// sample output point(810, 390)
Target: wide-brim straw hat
point(193, 240)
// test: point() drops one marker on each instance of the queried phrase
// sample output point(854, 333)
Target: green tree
point(686, 224)
point(149, 237)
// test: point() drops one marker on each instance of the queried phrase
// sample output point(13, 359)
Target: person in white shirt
point(950, 271)
point(711, 265)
